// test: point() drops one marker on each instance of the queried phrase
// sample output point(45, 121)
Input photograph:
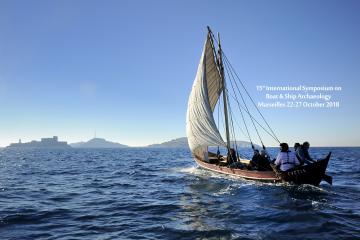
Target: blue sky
point(125, 68)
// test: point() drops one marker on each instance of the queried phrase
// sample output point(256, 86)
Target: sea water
point(141, 193)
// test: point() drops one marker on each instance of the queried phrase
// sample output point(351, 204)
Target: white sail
point(201, 129)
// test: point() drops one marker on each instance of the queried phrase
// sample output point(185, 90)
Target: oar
point(327, 179)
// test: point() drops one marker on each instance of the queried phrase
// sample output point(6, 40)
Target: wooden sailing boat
point(202, 131)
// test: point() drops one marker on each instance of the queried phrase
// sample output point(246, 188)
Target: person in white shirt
point(286, 159)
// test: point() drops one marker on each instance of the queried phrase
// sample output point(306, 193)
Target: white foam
point(190, 170)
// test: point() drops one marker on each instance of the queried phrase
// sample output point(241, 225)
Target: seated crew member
point(232, 156)
point(296, 149)
point(302, 153)
point(296, 146)
point(254, 162)
point(234, 160)
point(286, 159)
point(264, 161)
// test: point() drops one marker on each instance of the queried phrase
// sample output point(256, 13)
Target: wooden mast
point(220, 65)
point(224, 95)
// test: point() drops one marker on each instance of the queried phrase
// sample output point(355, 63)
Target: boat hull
point(263, 176)
point(307, 174)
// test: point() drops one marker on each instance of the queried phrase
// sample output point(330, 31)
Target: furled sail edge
point(213, 77)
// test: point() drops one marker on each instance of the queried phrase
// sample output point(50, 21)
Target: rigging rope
point(238, 125)
point(254, 118)
point(242, 98)
point(242, 115)
point(262, 116)
point(231, 67)
point(233, 129)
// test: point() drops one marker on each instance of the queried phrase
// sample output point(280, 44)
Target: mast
point(221, 66)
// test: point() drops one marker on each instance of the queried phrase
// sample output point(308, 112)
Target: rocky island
point(43, 143)
point(98, 143)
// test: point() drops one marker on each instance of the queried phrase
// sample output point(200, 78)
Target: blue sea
point(141, 193)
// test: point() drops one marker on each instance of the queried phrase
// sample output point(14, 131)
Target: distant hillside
point(183, 143)
point(97, 143)
point(175, 143)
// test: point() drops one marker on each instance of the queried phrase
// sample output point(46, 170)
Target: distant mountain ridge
point(183, 143)
point(174, 143)
point(97, 143)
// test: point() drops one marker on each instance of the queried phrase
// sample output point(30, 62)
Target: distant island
point(175, 143)
point(43, 143)
point(97, 143)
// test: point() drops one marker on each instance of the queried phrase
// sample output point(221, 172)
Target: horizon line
point(139, 146)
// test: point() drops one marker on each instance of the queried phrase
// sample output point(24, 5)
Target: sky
point(124, 69)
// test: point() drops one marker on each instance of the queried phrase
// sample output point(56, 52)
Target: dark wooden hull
point(264, 176)
point(308, 174)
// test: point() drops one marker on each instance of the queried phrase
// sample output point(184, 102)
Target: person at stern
point(286, 159)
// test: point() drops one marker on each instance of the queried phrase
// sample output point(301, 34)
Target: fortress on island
point(44, 143)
